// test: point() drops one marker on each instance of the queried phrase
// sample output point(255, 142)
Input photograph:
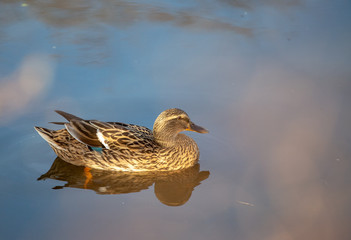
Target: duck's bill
point(196, 128)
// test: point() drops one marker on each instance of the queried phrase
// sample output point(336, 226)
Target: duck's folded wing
point(68, 116)
point(118, 137)
point(132, 127)
point(84, 132)
point(80, 129)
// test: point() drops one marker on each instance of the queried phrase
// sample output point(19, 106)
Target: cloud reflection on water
point(23, 87)
point(287, 126)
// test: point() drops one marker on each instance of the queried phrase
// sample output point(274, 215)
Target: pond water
point(271, 81)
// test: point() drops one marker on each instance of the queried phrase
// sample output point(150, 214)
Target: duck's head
point(171, 122)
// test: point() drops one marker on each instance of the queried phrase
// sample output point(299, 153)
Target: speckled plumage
point(126, 147)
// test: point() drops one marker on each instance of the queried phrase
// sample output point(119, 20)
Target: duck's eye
point(184, 119)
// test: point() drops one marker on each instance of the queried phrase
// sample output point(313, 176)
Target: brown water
point(270, 81)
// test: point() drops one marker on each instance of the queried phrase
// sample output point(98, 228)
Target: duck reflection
point(171, 188)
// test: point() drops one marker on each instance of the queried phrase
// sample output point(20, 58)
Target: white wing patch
point(102, 139)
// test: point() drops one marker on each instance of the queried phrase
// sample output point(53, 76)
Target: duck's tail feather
point(48, 135)
point(45, 133)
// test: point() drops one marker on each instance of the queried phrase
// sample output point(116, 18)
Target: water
point(270, 81)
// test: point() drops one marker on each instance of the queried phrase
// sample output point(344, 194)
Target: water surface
point(270, 81)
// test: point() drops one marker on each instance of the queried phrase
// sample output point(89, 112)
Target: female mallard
point(126, 147)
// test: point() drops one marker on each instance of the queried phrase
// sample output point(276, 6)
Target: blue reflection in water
point(269, 80)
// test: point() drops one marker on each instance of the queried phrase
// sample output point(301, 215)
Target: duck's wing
point(134, 128)
point(117, 136)
point(112, 135)
point(68, 116)
point(84, 132)
point(80, 129)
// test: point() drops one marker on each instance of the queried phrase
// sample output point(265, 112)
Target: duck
point(126, 147)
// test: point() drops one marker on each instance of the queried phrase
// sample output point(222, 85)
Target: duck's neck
point(165, 137)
